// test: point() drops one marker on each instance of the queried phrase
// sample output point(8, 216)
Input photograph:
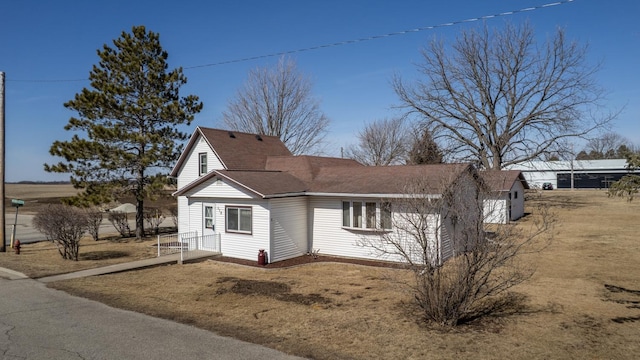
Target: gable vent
point(232, 135)
point(259, 138)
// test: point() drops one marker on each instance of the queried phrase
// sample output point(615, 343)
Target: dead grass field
point(582, 303)
point(36, 196)
point(42, 259)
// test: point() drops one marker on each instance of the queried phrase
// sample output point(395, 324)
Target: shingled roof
point(502, 180)
point(263, 165)
point(306, 168)
point(386, 179)
point(236, 150)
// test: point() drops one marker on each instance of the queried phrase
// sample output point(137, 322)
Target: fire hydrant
point(16, 247)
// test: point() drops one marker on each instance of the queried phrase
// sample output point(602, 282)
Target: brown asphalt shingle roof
point(306, 168)
point(502, 180)
point(242, 151)
point(236, 150)
point(266, 183)
point(265, 166)
point(385, 179)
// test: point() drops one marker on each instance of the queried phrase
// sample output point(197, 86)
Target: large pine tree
point(126, 133)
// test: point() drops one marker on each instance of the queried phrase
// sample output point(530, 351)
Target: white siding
point(183, 214)
point(517, 205)
point(195, 215)
point(288, 228)
point(218, 188)
point(446, 244)
point(244, 246)
point(237, 245)
point(330, 238)
point(189, 171)
point(495, 209)
point(505, 207)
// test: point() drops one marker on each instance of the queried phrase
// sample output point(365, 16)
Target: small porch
point(189, 245)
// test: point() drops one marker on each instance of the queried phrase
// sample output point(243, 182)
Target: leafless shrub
point(120, 221)
point(154, 217)
point(94, 220)
point(462, 268)
point(63, 225)
point(173, 210)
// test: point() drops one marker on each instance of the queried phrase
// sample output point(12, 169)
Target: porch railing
point(186, 243)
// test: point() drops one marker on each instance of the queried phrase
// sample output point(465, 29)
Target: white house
point(505, 200)
point(249, 193)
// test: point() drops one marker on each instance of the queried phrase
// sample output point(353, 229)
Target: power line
point(377, 37)
point(347, 42)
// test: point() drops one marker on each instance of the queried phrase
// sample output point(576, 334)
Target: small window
point(385, 215)
point(202, 163)
point(239, 219)
point(515, 195)
point(346, 213)
point(208, 217)
point(370, 209)
point(357, 214)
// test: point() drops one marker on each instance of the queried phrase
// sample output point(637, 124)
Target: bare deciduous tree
point(381, 143)
point(63, 225)
point(499, 99)
point(154, 217)
point(94, 220)
point(605, 146)
point(120, 221)
point(278, 102)
point(462, 268)
point(173, 210)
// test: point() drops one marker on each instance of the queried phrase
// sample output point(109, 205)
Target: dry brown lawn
point(582, 303)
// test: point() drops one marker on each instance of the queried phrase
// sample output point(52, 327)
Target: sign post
point(17, 203)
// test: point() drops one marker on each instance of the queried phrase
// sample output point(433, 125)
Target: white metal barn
point(584, 174)
point(251, 194)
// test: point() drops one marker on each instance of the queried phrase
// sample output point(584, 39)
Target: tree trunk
point(139, 219)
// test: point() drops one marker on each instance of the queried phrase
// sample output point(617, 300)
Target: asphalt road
point(41, 323)
point(27, 234)
point(24, 231)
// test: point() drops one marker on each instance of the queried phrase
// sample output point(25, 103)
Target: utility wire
point(347, 42)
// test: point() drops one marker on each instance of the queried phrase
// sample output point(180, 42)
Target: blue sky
point(43, 41)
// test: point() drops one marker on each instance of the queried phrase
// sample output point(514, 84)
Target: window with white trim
point(239, 219)
point(366, 215)
point(208, 217)
point(202, 163)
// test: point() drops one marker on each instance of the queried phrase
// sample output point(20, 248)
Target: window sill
point(348, 228)
point(239, 232)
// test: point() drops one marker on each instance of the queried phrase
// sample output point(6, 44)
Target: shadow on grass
point(102, 255)
point(488, 316)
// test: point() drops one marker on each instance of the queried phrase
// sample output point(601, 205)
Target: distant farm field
point(38, 191)
point(38, 196)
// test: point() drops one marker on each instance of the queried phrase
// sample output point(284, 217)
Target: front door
point(208, 238)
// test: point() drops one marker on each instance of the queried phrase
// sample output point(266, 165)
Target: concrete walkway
point(116, 268)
